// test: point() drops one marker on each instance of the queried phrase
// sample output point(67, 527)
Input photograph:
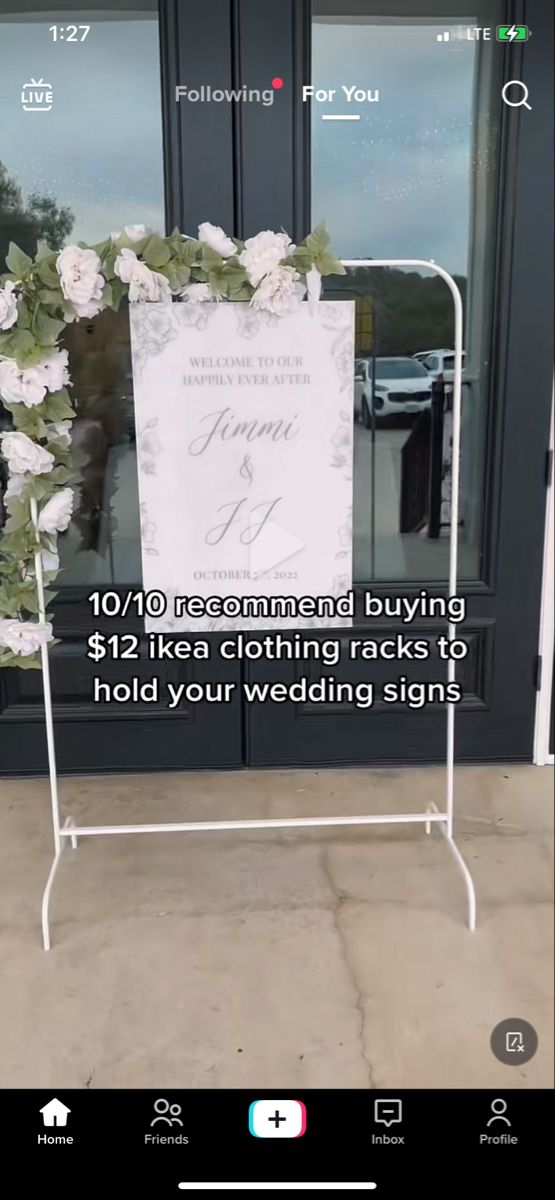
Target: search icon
point(516, 103)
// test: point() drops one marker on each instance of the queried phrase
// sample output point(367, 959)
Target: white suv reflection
point(402, 385)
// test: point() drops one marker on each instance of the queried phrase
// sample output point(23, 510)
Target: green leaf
point(44, 251)
point(47, 273)
point(19, 515)
point(23, 315)
point(102, 248)
point(27, 420)
point(119, 289)
point(156, 253)
point(40, 486)
point(242, 293)
point(187, 251)
point(176, 273)
point(108, 263)
point(318, 240)
point(23, 347)
point(56, 406)
point(27, 662)
point(61, 474)
point(210, 260)
point(108, 295)
point(234, 275)
point(50, 296)
point(17, 261)
point(301, 259)
point(46, 329)
point(328, 264)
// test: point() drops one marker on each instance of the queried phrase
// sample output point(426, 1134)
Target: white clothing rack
point(67, 830)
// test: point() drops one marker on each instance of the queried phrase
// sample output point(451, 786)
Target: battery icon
point(512, 33)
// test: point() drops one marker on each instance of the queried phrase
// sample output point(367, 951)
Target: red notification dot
point(277, 82)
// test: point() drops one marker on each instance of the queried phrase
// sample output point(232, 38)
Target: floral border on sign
point(38, 297)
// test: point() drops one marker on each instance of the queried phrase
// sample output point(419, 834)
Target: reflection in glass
point(413, 177)
point(79, 172)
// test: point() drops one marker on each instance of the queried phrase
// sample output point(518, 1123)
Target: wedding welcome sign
point(245, 450)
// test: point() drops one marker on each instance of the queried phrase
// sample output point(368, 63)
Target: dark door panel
point(128, 737)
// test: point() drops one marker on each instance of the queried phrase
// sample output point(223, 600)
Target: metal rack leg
point(470, 892)
point(45, 909)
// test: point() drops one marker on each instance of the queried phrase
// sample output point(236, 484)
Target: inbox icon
point(277, 1118)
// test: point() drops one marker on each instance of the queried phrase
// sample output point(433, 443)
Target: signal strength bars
point(444, 37)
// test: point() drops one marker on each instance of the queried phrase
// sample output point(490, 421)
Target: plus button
point(276, 1119)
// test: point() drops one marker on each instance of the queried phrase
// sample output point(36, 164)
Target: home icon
point(54, 1113)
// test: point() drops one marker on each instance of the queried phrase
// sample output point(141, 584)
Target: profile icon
point(498, 1108)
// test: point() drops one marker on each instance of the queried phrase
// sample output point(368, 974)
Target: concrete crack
point(340, 898)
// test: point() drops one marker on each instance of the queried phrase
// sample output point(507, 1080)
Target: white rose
point(60, 431)
point(133, 233)
point(8, 305)
point(56, 514)
point(22, 386)
point(24, 637)
point(263, 253)
point(144, 284)
point(23, 455)
point(50, 560)
point(279, 293)
point(80, 279)
point(214, 236)
point(55, 370)
point(136, 233)
point(196, 293)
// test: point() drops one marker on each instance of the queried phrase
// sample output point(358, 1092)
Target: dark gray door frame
point(242, 166)
point(264, 181)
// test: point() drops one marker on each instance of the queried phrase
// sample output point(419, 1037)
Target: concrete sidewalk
point(325, 958)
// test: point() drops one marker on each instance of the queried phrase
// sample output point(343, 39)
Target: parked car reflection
point(402, 386)
point(439, 362)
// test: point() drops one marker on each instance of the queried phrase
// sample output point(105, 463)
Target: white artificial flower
point(136, 233)
point(263, 253)
point(196, 293)
point(214, 236)
point(313, 287)
point(29, 385)
point(22, 455)
point(55, 370)
point(280, 292)
point(50, 560)
point(20, 385)
point(24, 637)
point(60, 431)
point(16, 483)
point(144, 284)
point(133, 233)
point(80, 279)
point(55, 516)
point(8, 305)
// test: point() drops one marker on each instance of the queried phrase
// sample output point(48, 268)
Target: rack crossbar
point(270, 823)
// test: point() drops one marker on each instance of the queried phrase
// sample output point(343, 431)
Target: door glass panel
point(80, 171)
point(413, 177)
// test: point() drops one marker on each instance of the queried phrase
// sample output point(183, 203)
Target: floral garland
point(38, 298)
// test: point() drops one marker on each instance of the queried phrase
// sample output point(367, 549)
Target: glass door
point(413, 154)
point(88, 165)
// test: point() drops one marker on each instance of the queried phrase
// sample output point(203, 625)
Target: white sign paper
point(245, 450)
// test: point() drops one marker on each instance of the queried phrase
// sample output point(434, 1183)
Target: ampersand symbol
point(246, 470)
